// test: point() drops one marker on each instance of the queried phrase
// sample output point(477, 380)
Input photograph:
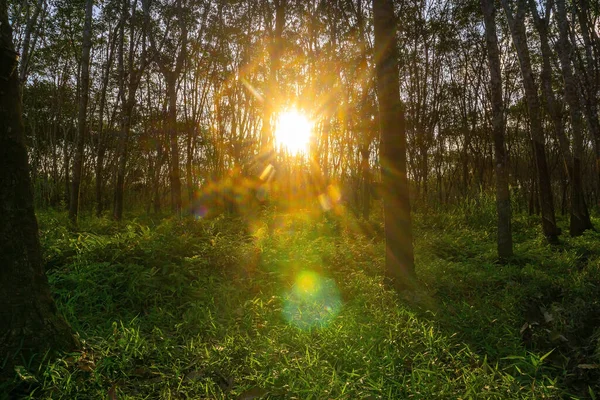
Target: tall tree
point(580, 218)
point(171, 67)
point(84, 89)
point(516, 24)
point(505, 247)
point(399, 257)
point(26, 48)
point(134, 76)
point(272, 90)
point(589, 73)
point(28, 317)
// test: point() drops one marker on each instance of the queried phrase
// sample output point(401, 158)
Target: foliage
point(195, 308)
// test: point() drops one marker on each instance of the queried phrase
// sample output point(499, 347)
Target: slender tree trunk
point(66, 166)
point(188, 162)
point(28, 317)
point(590, 79)
point(174, 144)
point(101, 148)
point(30, 27)
point(122, 158)
point(580, 218)
point(518, 33)
point(82, 117)
point(399, 261)
point(503, 209)
point(366, 180)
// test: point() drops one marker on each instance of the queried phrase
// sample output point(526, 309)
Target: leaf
point(24, 375)
point(252, 394)
point(524, 327)
point(194, 376)
point(86, 365)
point(112, 392)
point(556, 336)
point(588, 366)
point(542, 358)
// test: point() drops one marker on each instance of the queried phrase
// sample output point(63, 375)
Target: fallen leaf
point(588, 366)
point(193, 376)
point(252, 394)
point(112, 392)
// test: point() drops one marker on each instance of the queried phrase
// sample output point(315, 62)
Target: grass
point(293, 306)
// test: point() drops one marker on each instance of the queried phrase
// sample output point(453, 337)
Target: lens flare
point(313, 301)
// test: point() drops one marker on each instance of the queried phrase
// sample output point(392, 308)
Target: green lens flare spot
point(312, 302)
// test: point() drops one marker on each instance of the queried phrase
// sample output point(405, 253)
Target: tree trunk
point(503, 208)
point(82, 116)
point(399, 260)
point(518, 33)
point(580, 218)
point(589, 74)
point(30, 27)
point(366, 178)
point(101, 148)
point(174, 144)
point(30, 324)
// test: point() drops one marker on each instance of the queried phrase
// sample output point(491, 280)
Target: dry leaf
point(112, 393)
point(252, 394)
point(588, 366)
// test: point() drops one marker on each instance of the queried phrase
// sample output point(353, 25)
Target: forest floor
point(293, 306)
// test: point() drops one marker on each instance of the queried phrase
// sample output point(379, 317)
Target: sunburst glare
point(293, 132)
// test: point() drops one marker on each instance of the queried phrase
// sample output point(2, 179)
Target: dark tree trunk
point(366, 179)
point(399, 260)
point(101, 147)
point(580, 218)
point(82, 116)
point(590, 77)
point(505, 246)
point(174, 144)
point(28, 317)
point(517, 29)
point(122, 163)
point(25, 51)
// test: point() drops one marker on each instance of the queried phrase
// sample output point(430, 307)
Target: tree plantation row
point(132, 103)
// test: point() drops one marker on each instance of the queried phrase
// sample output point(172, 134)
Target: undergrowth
point(293, 306)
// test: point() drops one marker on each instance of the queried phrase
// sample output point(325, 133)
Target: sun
point(293, 131)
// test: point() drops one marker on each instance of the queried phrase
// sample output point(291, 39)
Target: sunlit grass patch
point(216, 309)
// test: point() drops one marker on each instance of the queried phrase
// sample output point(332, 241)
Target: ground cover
point(292, 305)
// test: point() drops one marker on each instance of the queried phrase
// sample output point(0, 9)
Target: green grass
point(224, 308)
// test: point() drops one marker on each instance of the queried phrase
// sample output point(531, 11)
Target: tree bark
point(399, 259)
point(82, 116)
point(517, 29)
point(28, 317)
point(589, 74)
point(580, 218)
point(127, 105)
point(503, 208)
point(25, 52)
point(172, 121)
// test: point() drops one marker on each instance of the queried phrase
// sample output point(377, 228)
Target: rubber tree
point(516, 23)
point(503, 208)
point(30, 323)
point(82, 113)
point(399, 257)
